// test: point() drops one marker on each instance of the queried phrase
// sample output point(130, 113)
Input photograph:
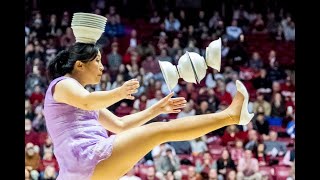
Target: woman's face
point(225, 154)
point(93, 70)
point(261, 147)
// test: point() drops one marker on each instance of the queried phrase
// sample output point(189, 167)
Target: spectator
point(278, 108)
point(224, 164)
point(231, 134)
point(233, 31)
point(260, 155)
point(288, 27)
point(155, 18)
point(256, 62)
point(237, 152)
point(49, 173)
point(289, 157)
point(114, 60)
point(274, 147)
point(205, 164)
point(30, 135)
point(130, 175)
point(172, 23)
point(48, 160)
point(168, 163)
point(291, 128)
point(248, 167)
point(261, 102)
point(32, 160)
point(213, 174)
point(253, 140)
point(261, 125)
point(232, 175)
point(198, 146)
point(151, 174)
point(187, 111)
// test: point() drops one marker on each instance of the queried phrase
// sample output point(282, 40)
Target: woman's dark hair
point(64, 62)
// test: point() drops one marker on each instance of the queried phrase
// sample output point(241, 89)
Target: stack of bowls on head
point(191, 66)
point(88, 27)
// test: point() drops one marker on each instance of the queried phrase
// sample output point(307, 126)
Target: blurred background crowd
point(258, 48)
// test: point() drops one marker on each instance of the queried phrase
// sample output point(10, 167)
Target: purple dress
point(80, 142)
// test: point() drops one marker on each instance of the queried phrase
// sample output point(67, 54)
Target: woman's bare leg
point(131, 145)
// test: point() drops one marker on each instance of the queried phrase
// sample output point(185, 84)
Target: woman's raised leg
point(131, 145)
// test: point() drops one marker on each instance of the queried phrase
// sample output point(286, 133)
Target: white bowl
point(97, 26)
point(89, 20)
point(86, 34)
point(213, 54)
point(89, 15)
point(199, 65)
point(170, 74)
point(185, 68)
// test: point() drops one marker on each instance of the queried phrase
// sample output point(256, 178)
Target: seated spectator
point(259, 26)
point(232, 175)
point(205, 164)
point(37, 96)
point(146, 48)
point(48, 160)
point(151, 174)
point(231, 134)
point(253, 140)
point(168, 164)
point(38, 122)
point(291, 128)
point(189, 92)
point(192, 173)
point(213, 174)
point(263, 103)
point(255, 61)
point(50, 173)
point(222, 93)
point(160, 150)
point(172, 23)
point(237, 152)
point(248, 167)
point(155, 18)
point(261, 125)
point(289, 157)
point(203, 108)
point(30, 135)
point(262, 83)
point(233, 31)
point(273, 147)
point(198, 146)
point(224, 164)
point(288, 27)
point(130, 175)
point(278, 108)
point(32, 160)
point(140, 104)
point(261, 155)
point(123, 109)
point(27, 174)
point(187, 111)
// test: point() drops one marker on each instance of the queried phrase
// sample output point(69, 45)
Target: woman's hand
point(128, 88)
point(171, 105)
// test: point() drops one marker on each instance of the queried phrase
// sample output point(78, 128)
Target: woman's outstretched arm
point(70, 92)
point(117, 124)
